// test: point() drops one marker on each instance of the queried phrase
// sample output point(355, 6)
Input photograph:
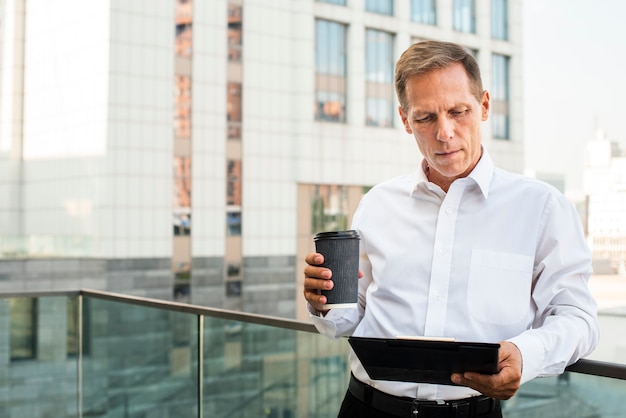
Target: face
point(445, 117)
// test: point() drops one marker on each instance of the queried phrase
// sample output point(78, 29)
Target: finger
point(498, 386)
point(314, 284)
point(314, 259)
point(317, 272)
point(316, 300)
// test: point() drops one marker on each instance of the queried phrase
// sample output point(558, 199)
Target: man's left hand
point(502, 385)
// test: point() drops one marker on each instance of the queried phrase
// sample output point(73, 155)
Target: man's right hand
point(316, 278)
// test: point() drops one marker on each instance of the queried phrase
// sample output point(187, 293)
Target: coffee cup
point(341, 255)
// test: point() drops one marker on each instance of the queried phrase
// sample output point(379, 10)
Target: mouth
point(446, 154)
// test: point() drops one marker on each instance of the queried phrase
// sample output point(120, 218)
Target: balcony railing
point(98, 354)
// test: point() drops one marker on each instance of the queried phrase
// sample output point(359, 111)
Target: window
point(500, 96)
point(384, 7)
point(464, 16)
point(330, 71)
point(233, 288)
point(182, 196)
point(233, 110)
point(23, 328)
point(424, 11)
point(233, 183)
point(234, 33)
point(499, 19)
point(329, 208)
point(233, 221)
point(338, 2)
point(379, 74)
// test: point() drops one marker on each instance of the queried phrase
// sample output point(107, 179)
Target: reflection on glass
point(379, 112)
point(233, 183)
point(233, 103)
point(233, 288)
point(182, 118)
point(329, 208)
point(500, 96)
point(464, 16)
point(234, 32)
point(143, 363)
point(257, 370)
point(23, 326)
point(424, 11)
point(233, 270)
point(379, 88)
point(182, 195)
point(233, 94)
point(499, 19)
point(384, 7)
point(72, 327)
point(233, 223)
point(330, 68)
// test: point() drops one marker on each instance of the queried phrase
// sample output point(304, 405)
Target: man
point(460, 249)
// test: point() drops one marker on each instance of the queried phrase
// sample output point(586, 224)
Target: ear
point(484, 105)
point(405, 120)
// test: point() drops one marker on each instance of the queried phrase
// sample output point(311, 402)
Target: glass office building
point(189, 150)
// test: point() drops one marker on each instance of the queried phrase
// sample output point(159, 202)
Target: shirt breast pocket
point(499, 287)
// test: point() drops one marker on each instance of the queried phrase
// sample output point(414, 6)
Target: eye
point(425, 119)
point(459, 112)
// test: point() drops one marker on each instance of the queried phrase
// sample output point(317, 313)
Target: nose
point(445, 130)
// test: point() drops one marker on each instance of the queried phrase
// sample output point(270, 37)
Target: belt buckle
point(460, 409)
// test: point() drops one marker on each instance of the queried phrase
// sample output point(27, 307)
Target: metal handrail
point(582, 366)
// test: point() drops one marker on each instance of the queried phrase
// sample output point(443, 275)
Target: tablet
point(423, 361)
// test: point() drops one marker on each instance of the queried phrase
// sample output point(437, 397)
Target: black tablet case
point(423, 361)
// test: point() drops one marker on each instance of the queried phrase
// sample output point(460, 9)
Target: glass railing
point(96, 354)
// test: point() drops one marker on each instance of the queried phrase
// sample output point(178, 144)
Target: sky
point(574, 81)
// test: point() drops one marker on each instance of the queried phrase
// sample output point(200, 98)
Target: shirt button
point(437, 296)
point(443, 251)
point(448, 211)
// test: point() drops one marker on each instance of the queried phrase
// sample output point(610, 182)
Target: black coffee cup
point(341, 255)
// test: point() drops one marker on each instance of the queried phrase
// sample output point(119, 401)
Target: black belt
point(413, 408)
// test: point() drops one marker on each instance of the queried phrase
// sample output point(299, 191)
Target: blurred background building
point(605, 190)
point(190, 150)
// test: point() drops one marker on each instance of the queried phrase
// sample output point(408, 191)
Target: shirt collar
point(481, 174)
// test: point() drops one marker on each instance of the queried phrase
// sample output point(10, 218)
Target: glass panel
point(43, 382)
point(566, 396)
point(500, 96)
point(253, 370)
point(72, 327)
point(143, 362)
point(23, 320)
point(424, 11)
point(499, 19)
point(384, 7)
point(330, 67)
point(464, 16)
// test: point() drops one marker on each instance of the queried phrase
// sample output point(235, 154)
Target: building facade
point(190, 150)
point(605, 191)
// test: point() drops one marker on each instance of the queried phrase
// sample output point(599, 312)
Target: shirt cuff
point(533, 355)
point(324, 325)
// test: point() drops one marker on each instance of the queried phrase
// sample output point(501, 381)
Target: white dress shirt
point(498, 257)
